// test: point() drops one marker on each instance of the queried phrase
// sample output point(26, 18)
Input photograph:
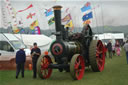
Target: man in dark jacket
point(109, 47)
point(35, 53)
point(20, 61)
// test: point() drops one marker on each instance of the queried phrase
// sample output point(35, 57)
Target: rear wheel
point(97, 56)
point(77, 67)
point(42, 67)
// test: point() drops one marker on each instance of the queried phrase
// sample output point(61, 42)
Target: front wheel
point(77, 67)
point(42, 67)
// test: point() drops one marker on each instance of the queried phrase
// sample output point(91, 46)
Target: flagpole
point(95, 19)
point(102, 18)
point(41, 13)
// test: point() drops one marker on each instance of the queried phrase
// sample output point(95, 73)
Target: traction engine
point(72, 52)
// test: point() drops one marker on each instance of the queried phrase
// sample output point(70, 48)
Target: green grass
point(115, 73)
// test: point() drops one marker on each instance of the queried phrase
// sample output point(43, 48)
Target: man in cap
point(35, 53)
point(20, 61)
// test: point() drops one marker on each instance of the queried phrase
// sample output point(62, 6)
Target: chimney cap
point(57, 7)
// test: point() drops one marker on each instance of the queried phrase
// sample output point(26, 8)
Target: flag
point(30, 15)
point(22, 30)
point(35, 29)
point(67, 18)
point(48, 12)
point(51, 20)
point(34, 24)
point(69, 24)
point(87, 16)
point(15, 29)
point(86, 7)
point(88, 4)
point(86, 22)
point(30, 6)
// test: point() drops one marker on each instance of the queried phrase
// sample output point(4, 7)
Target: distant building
point(105, 37)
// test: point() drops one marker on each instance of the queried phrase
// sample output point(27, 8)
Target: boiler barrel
point(62, 48)
point(74, 47)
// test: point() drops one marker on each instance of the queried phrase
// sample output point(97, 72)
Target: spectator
point(109, 47)
point(35, 53)
point(117, 48)
point(118, 51)
point(20, 61)
point(105, 49)
point(117, 44)
point(113, 50)
point(126, 50)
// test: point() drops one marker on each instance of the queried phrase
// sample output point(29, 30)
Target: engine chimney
point(57, 14)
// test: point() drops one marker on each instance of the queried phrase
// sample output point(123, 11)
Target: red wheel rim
point(45, 71)
point(100, 56)
point(79, 67)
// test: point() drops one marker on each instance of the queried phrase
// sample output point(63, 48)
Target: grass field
point(115, 73)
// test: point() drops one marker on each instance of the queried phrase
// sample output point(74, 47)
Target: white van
point(9, 45)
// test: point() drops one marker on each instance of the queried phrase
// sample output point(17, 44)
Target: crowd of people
point(113, 49)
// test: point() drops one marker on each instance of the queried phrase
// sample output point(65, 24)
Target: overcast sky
point(109, 12)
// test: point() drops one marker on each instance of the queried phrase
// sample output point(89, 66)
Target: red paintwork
point(79, 72)
point(46, 72)
point(100, 56)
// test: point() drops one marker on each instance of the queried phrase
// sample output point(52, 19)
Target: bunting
point(13, 17)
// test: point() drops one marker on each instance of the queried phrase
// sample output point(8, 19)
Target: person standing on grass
point(118, 51)
point(113, 50)
point(35, 53)
point(117, 48)
point(20, 61)
point(109, 47)
point(126, 50)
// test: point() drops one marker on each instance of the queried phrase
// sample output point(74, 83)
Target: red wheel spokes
point(79, 67)
point(77, 63)
point(46, 72)
point(100, 57)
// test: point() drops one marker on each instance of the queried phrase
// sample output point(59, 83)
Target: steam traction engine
point(72, 52)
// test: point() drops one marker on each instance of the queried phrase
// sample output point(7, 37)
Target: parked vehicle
point(9, 45)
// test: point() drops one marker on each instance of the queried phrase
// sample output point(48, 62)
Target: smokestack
point(57, 14)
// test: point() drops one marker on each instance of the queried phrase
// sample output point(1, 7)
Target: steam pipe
point(57, 14)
